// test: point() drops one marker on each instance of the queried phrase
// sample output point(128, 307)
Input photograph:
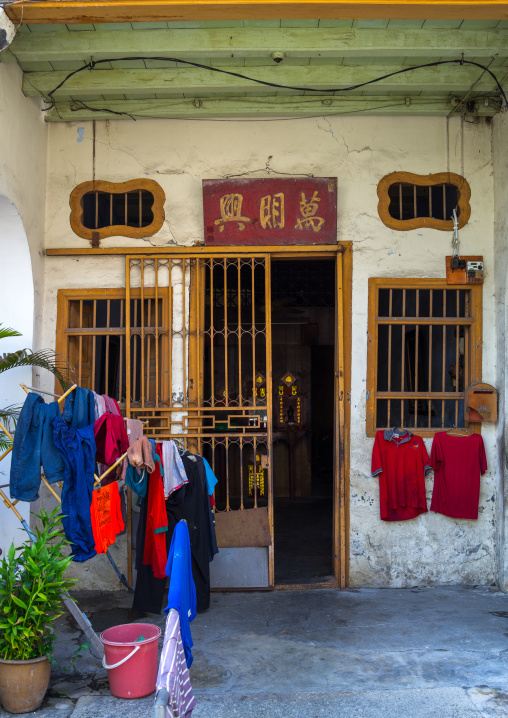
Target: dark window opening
point(409, 201)
point(107, 209)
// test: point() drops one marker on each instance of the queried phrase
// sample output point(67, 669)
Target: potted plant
point(32, 581)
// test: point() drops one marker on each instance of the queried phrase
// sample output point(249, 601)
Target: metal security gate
point(198, 370)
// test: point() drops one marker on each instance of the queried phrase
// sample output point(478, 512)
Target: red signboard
point(270, 211)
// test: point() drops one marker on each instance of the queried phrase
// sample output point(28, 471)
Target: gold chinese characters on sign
point(271, 212)
point(308, 209)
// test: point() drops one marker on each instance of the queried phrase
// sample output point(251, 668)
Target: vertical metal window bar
point(403, 356)
point(431, 298)
point(390, 306)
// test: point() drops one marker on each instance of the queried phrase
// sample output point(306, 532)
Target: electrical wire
point(93, 63)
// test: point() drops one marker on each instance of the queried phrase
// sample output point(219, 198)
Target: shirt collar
point(400, 436)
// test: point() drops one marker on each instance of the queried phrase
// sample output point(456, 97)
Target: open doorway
point(303, 346)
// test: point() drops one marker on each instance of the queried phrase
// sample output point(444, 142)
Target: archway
point(16, 311)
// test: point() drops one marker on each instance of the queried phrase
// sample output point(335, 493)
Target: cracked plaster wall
point(500, 176)
point(431, 549)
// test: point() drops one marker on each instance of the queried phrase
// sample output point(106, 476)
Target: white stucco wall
point(358, 151)
point(23, 147)
point(500, 177)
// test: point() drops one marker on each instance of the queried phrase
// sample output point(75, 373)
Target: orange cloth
point(106, 515)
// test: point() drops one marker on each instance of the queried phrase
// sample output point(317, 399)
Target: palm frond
point(9, 414)
point(7, 332)
point(45, 359)
point(5, 442)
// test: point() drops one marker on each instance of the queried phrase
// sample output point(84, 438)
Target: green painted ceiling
point(318, 54)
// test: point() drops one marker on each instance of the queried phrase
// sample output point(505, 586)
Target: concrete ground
point(359, 653)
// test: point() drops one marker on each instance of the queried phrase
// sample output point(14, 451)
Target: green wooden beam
point(447, 78)
point(260, 107)
point(293, 42)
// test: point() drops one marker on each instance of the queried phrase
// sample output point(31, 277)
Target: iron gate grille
point(201, 328)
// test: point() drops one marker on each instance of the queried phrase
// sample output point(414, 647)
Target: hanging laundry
point(155, 552)
point(140, 455)
point(134, 429)
point(211, 482)
point(458, 463)
point(111, 438)
point(99, 404)
point(77, 448)
point(190, 502)
point(401, 461)
point(211, 479)
point(182, 591)
point(174, 471)
point(173, 674)
point(111, 405)
point(106, 515)
point(33, 446)
point(79, 408)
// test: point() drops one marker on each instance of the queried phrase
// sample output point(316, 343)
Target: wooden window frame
point(123, 230)
point(64, 332)
point(474, 345)
point(463, 188)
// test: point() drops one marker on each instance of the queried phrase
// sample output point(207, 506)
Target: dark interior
point(303, 337)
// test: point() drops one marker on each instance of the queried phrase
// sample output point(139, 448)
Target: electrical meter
point(464, 270)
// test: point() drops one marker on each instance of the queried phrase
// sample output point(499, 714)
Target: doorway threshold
point(321, 582)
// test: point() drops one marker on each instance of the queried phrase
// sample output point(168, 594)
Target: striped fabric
point(173, 673)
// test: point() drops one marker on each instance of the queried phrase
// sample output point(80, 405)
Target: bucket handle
point(124, 660)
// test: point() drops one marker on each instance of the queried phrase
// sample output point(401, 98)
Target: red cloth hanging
point(155, 552)
point(111, 439)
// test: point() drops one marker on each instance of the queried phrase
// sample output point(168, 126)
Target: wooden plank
point(250, 43)
point(99, 11)
point(452, 78)
point(286, 106)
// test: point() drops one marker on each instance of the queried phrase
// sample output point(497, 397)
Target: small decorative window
point(131, 209)
point(409, 201)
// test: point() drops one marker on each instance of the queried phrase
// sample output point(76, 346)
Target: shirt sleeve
point(427, 465)
point(376, 466)
point(483, 458)
point(436, 455)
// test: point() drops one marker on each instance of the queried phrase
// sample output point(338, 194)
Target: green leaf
point(45, 359)
point(19, 602)
point(8, 333)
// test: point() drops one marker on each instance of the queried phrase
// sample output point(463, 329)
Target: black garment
point(149, 591)
point(190, 502)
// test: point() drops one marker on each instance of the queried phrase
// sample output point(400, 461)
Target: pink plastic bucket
point(131, 663)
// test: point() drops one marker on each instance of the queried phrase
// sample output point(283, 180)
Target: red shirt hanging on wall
point(458, 463)
point(401, 461)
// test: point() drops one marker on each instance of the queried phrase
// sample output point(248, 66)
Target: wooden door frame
point(343, 252)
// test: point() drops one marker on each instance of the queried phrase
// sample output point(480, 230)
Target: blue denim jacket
point(33, 447)
point(77, 447)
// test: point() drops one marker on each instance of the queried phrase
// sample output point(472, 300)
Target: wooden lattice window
point(129, 209)
point(91, 335)
point(424, 349)
point(408, 201)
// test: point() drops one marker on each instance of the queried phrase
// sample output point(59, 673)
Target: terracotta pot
point(23, 684)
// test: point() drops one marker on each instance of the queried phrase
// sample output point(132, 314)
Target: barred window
point(424, 350)
point(130, 209)
point(409, 201)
